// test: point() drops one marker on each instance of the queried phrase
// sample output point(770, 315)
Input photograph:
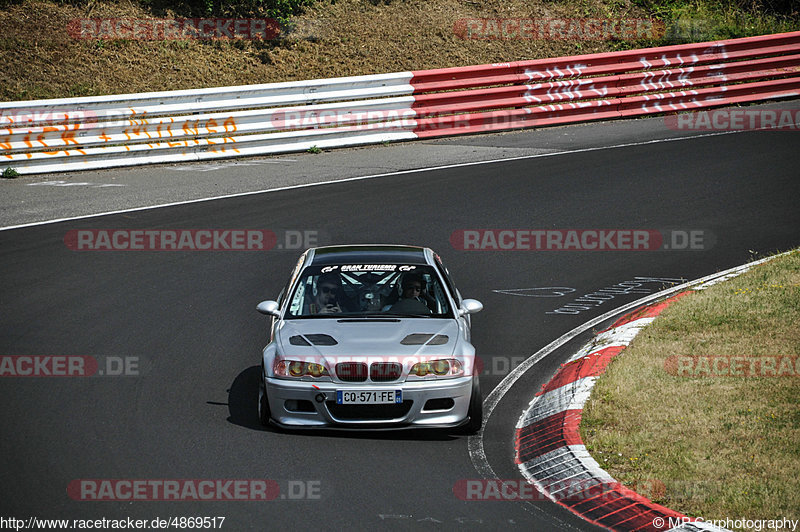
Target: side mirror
point(270, 308)
point(470, 306)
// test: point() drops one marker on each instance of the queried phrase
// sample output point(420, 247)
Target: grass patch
point(722, 446)
point(327, 38)
point(710, 20)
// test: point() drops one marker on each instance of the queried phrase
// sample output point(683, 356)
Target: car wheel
point(475, 412)
point(264, 414)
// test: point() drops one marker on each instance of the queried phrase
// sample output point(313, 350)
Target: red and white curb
point(551, 455)
point(549, 450)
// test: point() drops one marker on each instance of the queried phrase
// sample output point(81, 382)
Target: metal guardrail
point(190, 125)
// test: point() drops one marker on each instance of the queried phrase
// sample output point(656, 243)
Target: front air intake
point(385, 371)
point(351, 371)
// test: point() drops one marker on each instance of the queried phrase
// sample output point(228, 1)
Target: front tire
point(475, 412)
point(264, 413)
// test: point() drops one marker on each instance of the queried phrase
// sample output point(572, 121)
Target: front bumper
point(299, 404)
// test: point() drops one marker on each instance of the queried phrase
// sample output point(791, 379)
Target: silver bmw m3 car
point(370, 337)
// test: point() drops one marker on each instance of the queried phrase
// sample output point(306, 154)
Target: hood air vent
point(316, 339)
point(425, 339)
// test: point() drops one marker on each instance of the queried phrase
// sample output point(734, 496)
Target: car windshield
point(369, 290)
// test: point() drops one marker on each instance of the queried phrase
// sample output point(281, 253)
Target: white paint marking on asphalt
point(71, 184)
point(374, 176)
point(543, 291)
point(219, 166)
point(58, 184)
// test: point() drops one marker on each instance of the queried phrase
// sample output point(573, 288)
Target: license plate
point(369, 397)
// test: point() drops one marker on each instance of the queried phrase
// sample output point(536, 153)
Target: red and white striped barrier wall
point(120, 130)
point(551, 455)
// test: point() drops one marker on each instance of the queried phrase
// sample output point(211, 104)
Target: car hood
point(359, 338)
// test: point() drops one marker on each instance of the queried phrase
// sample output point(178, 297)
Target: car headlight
point(298, 369)
point(445, 367)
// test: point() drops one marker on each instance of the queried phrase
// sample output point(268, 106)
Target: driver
point(413, 296)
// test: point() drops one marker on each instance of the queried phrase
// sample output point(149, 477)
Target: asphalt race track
point(188, 319)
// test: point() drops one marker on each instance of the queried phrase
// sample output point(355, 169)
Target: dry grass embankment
point(332, 38)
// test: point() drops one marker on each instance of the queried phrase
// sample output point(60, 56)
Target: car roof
point(368, 254)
